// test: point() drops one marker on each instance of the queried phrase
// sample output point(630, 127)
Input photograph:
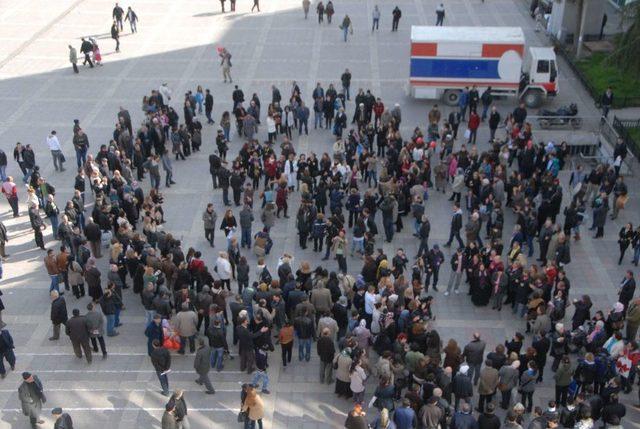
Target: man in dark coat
point(627, 289)
point(202, 365)
point(58, 313)
point(31, 397)
point(78, 332)
point(153, 332)
point(161, 361)
point(37, 224)
point(63, 420)
point(6, 352)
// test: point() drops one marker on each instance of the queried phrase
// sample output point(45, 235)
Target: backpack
point(265, 276)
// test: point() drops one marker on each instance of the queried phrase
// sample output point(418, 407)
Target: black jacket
point(58, 311)
point(326, 349)
point(161, 359)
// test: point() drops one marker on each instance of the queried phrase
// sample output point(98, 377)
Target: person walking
point(253, 407)
point(10, 191)
point(305, 7)
point(320, 12)
point(73, 58)
point(56, 151)
point(62, 420)
point(527, 385)
point(81, 144)
point(78, 331)
point(456, 226)
point(6, 351)
point(209, 218)
point(260, 374)
point(376, 18)
point(133, 20)
point(86, 48)
point(346, 26)
point(225, 64)
point(95, 326)
point(256, 4)
point(440, 15)
point(58, 314)
point(31, 396)
point(161, 361)
point(397, 14)
point(117, 15)
point(202, 366)
point(208, 106)
point(115, 35)
point(606, 101)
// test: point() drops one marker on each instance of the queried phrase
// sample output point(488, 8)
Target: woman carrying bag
point(252, 408)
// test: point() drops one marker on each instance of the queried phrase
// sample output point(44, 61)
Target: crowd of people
point(370, 315)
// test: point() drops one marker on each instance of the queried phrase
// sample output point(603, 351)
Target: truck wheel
point(533, 98)
point(451, 97)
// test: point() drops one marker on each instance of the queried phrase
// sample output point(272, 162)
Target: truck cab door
point(540, 72)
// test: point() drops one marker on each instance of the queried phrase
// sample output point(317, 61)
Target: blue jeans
point(345, 30)
point(164, 382)
point(155, 181)
point(261, 375)
point(317, 119)
point(305, 123)
point(54, 225)
point(304, 349)
point(81, 156)
point(111, 324)
point(3, 172)
point(636, 254)
point(484, 112)
point(345, 91)
point(530, 245)
point(117, 317)
point(357, 245)
point(226, 130)
point(55, 280)
point(245, 237)
point(216, 358)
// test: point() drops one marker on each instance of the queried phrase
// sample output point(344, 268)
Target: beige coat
point(255, 407)
point(186, 323)
point(75, 274)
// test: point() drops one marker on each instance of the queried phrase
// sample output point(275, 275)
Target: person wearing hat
point(169, 420)
point(63, 420)
point(31, 397)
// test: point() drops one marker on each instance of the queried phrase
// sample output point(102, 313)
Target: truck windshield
point(543, 66)
point(554, 72)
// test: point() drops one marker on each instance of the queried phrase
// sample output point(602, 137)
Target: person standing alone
point(440, 15)
point(32, 397)
point(73, 59)
point(117, 15)
point(376, 18)
point(115, 35)
point(397, 14)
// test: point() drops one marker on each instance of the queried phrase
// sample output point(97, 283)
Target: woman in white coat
point(291, 171)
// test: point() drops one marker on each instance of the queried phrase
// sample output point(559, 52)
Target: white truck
point(445, 60)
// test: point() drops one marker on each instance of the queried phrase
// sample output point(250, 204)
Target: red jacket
point(378, 109)
point(474, 121)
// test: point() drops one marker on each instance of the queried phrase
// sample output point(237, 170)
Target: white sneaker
point(446, 293)
point(457, 292)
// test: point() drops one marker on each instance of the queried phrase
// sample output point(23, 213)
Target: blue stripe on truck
point(463, 69)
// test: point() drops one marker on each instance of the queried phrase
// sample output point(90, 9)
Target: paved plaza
point(176, 44)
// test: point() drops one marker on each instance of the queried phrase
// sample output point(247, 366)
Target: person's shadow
point(207, 14)
point(143, 415)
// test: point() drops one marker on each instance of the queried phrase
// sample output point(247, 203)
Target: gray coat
point(508, 377)
point(246, 218)
point(202, 362)
point(528, 381)
point(95, 324)
point(31, 397)
point(209, 219)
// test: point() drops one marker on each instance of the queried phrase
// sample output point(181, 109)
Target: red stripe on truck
point(424, 49)
point(497, 50)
